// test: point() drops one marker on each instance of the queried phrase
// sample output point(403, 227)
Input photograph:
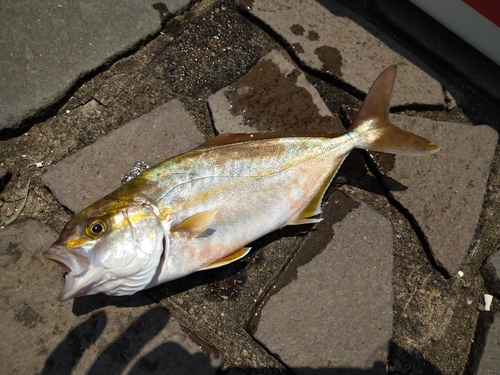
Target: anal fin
point(313, 208)
point(228, 259)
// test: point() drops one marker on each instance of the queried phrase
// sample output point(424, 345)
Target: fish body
point(199, 210)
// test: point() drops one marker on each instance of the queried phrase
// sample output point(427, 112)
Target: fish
point(201, 209)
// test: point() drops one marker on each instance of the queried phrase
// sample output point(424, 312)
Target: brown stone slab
point(446, 189)
point(336, 313)
point(96, 170)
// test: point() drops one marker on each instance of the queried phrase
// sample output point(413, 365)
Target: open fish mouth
point(74, 263)
point(72, 260)
point(64, 263)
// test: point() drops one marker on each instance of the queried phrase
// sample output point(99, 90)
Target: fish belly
point(247, 208)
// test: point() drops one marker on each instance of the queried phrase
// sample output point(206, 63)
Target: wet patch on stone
point(297, 29)
point(331, 59)
point(207, 349)
point(312, 35)
point(272, 97)
point(27, 316)
point(297, 48)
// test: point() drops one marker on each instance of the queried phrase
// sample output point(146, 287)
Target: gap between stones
point(407, 214)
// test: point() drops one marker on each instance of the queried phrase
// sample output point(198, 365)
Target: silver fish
point(200, 210)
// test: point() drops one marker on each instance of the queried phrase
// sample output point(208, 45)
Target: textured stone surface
point(443, 43)
point(330, 38)
point(486, 360)
point(267, 99)
point(47, 47)
point(490, 270)
point(95, 171)
point(61, 41)
point(338, 311)
point(446, 188)
point(90, 335)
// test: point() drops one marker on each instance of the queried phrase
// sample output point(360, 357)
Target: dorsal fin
point(313, 208)
point(229, 259)
point(228, 139)
point(195, 224)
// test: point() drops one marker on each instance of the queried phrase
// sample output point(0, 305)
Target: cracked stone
point(446, 189)
point(338, 311)
point(96, 170)
point(47, 48)
point(340, 43)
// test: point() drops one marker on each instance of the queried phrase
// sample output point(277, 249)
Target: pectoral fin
point(196, 224)
point(229, 259)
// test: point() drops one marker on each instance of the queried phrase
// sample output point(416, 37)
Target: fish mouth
point(72, 260)
point(74, 263)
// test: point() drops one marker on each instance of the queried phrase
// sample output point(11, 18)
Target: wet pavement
point(389, 281)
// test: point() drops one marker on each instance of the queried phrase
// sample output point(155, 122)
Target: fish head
point(112, 247)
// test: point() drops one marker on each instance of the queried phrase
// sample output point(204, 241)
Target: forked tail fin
point(372, 130)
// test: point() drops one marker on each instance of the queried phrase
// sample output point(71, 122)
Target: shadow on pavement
point(172, 358)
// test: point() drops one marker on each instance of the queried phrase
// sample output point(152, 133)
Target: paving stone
point(490, 270)
point(443, 43)
point(47, 47)
point(96, 170)
point(485, 356)
point(95, 335)
point(337, 314)
point(328, 37)
point(273, 95)
point(446, 189)
point(490, 358)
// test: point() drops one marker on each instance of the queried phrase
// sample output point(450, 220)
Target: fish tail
point(372, 130)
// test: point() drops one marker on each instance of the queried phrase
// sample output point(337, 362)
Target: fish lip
point(72, 260)
point(76, 265)
point(59, 260)
point(67, 290)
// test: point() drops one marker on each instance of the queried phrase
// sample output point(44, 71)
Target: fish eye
point(96, 228)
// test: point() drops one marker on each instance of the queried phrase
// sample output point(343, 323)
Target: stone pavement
point(374, 287)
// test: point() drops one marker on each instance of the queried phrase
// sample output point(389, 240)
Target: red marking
point(487, 8)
